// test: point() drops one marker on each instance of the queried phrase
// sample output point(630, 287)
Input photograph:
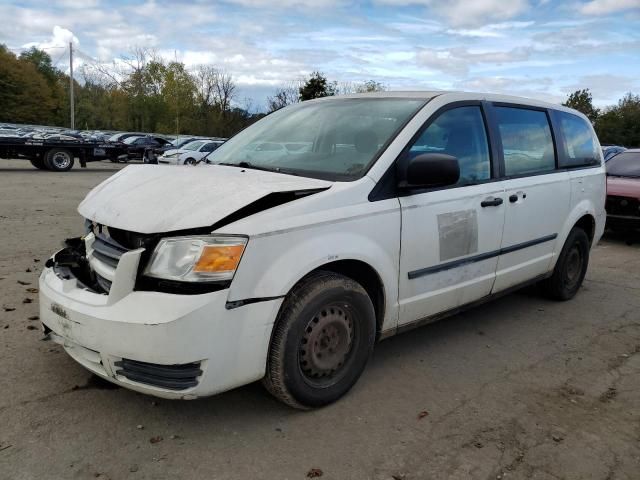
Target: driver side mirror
point(431, 170)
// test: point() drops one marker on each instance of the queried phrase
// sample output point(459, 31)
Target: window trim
point(492, 106)
point(563, 152)
point(387, 186)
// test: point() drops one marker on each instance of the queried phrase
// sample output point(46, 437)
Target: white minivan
point(398, 209)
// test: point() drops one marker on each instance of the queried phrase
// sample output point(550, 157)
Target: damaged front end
point(71, 262)
point(106, 254)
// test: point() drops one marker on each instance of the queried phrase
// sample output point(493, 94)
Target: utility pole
point(73, 116)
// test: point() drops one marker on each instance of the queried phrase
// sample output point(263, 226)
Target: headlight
point(171, 155)
point(196, 259)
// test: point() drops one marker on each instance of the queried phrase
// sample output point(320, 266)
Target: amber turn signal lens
point(219, 258)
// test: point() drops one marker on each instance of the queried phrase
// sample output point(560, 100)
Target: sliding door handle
point(491, 202)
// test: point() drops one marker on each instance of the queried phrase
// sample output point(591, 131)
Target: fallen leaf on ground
point(31, 327)
point(156, 439)
point(32, 290)
point(314, 473)
point(423, 414)
point(34, 317)
point(9, 309)
point(22, 282)
point(27, 300)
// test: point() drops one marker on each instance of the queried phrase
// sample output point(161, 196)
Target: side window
point(581, 146)
point(527, 143)
point(459, 132)
point(208, 147)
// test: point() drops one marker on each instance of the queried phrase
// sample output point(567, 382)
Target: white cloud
point(465, 13)
point(493, 30)
point(283, 4)
point(604, 7)
point(457, 61)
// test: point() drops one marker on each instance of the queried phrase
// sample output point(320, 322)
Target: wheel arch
point(363, 273)
point(587, 223)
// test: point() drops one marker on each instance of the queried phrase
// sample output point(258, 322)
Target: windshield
point(335, 139)
point(193, 145)
point(625, 164)
point(130, 140)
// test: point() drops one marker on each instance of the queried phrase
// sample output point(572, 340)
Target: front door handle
point(491, 202)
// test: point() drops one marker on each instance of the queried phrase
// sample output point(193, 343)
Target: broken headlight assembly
point(196, 258)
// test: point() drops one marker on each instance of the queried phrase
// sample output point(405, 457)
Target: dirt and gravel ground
point(520, 388)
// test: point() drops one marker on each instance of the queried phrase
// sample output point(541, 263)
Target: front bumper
point(628, 222)
point(99, 331)
point(168, 160)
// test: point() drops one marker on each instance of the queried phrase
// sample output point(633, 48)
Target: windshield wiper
point(251, 166)
point(245, 164)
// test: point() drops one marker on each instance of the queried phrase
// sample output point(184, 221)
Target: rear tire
point(39, 163)
point(570, 268)
point(59, 160)
point(321, 341)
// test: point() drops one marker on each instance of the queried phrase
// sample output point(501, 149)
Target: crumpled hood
point(157, 199)
point(623, 187)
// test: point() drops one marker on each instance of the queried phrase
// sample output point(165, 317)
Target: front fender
point(273, 263)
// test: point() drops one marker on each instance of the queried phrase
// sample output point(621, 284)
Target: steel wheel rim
point(61, 160)
point(326, 344)
point(574, 266)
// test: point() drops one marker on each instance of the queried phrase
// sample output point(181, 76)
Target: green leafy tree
point(620, 124)
point(582, 100)
point(316, 86)
point(25, 96)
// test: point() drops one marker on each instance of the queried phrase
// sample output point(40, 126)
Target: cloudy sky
point(538, 48)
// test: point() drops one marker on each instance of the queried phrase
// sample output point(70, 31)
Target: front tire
point(190, 161)
point(322, 340)
point(570, 268)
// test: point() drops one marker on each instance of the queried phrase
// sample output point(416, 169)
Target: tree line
point(617, 124)
point(140, 93)
point(145, 92)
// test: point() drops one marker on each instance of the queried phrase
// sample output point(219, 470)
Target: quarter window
point(459, 132)
point(527, 143)
point(581, 147)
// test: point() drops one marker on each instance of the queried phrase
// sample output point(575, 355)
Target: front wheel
point(322, 340)
point(190, 161)
point(570, 268)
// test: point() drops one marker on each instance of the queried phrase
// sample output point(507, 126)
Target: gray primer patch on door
point(458, 234)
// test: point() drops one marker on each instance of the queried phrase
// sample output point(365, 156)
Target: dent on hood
point(157, 199)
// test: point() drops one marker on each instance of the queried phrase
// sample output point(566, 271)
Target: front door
point(451, 237)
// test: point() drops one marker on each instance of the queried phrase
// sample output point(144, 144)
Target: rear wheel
point(321, 342)
point(59, 160)
point(570, 268)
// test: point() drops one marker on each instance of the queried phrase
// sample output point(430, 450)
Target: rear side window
point(580, 144)
point(527, 143)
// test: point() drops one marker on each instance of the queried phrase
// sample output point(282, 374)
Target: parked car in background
point(120, 136)
point(177, 144)
point(288, 268)
point(623, 191)
point(141, 147)
point(190, 154)
point(610, 151)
